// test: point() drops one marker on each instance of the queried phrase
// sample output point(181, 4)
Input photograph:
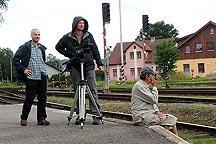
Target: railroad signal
point(106, 12)
point(145, 23)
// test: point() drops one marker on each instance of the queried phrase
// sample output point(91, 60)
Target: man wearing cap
point(69, 46)
point(144, 103)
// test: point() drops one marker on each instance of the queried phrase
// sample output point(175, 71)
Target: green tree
point(3, 6)
point(166, 56)
point(99, 75)
point(159, 30)
point(6, 55)
point(53, 61)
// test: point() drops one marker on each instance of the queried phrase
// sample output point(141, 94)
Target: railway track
point(163, 98)
point(8, 97)
point(179, 91)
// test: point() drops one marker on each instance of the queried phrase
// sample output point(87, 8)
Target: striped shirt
point(36, 63)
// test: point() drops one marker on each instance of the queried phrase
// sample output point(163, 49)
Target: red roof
point(115, 57)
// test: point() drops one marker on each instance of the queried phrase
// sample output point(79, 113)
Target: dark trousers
point(33, 88)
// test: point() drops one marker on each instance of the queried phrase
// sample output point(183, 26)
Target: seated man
point(143, 103)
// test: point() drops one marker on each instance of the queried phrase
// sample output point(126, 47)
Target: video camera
point(80, 52)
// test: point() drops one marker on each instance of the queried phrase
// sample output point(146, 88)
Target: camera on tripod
point(78, 55)
point(82, 50)
point(79, 99)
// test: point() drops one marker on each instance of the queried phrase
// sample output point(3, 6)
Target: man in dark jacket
point(29, 61)
point(70, 45)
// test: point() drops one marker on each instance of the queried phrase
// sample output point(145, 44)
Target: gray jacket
point(143, 101)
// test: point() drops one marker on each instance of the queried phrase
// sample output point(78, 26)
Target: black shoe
point(96, 120)
point(43, 122)
point(23, 122)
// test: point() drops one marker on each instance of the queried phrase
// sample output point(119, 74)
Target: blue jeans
point(33, 88)
point(91, 81)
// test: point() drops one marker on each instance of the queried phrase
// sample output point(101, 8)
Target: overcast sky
point(54, 19)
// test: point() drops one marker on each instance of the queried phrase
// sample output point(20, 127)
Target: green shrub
point(180, 76)
point(99, 75)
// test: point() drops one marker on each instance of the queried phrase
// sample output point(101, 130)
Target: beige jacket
point(143, 101)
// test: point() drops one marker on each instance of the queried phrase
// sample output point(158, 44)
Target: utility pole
point(106, 19)
point(11, 68)
point(144, 31)
point(121, 46)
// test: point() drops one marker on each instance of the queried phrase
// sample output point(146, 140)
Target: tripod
point(80, 96)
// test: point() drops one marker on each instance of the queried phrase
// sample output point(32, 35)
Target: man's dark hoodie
point(68, 46)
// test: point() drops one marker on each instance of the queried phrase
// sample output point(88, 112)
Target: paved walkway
point(60, 133)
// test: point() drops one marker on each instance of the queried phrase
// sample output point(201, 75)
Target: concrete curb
point(161, 130)
point(168, 135)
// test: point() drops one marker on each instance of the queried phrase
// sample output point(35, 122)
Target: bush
point(99, 75)
point(180, 76)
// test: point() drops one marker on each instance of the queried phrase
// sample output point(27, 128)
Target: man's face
point(35, 34)
point(80, 26)
point(150, 78)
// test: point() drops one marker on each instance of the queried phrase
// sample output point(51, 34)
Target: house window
point(210, 45)
point(211, 30)
point(139, 69)
point(114, 72)
point(139, 56)
point(132, 72)
point(187, 49)
point(186, 68)
point(198, 47)
point(131, 55)
point(201, 68)
point(134, 47)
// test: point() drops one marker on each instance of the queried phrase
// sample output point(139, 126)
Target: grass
point(194, 137)
point(11, 85)
point(203, 141)
point(66, 101)
point(171, 82)
point(191, 96)
point(192, 113)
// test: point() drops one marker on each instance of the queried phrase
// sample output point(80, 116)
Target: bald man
point(29, 61)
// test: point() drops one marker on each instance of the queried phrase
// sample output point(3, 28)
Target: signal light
point(145, 23)
point(106, 12)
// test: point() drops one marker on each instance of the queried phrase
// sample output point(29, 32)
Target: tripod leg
point(94, 103)
point(73, 107)
point(82, 90)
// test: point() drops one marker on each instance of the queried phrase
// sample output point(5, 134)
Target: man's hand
point(160, 114)
point(100, 67)
point(153, 81)
point(27, 72)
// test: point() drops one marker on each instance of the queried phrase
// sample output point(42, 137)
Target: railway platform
point(58, 132)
